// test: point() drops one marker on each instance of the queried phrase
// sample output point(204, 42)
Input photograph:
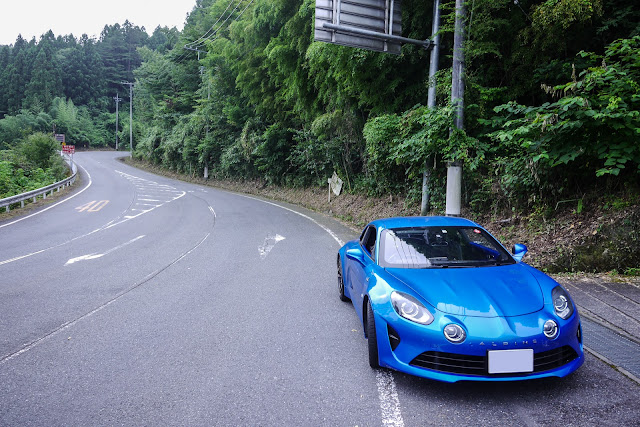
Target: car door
point(360, 274)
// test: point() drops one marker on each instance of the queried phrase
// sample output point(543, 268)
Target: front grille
point(452, 363)
point(552, 359)
point(477, 365)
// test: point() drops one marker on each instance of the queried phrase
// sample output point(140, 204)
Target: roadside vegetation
point(34, 163)
point(552, 118)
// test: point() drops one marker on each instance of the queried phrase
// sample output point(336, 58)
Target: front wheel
point(372, 338)
point(343, 297)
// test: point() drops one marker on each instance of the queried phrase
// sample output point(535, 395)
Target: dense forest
point(70, 82)
point(552, 101)
point(67, 85)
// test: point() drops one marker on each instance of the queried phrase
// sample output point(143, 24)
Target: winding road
point(141, 300)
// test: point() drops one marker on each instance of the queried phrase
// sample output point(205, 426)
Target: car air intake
point(464, 364)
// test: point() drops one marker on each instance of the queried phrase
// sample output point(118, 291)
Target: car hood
point(508, 290)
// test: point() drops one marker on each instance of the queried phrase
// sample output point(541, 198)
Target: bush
point(38, 149)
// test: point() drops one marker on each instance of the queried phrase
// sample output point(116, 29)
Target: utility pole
point(117, 99)
point(206, 166)
point(431, 101)
point(195, 50)
point(454, 169)
point(130, 116)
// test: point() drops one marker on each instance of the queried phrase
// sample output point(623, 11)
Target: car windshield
point(440, 247)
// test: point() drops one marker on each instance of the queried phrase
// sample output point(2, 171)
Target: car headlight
point(562, 303)
point(410, 308)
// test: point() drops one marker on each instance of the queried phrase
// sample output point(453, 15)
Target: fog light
point(454, 333)
point(550, 329)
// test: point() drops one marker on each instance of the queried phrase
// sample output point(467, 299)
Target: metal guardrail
point(20, 198)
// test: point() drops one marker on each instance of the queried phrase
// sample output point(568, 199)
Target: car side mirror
point(518, 251)
point(355, 254)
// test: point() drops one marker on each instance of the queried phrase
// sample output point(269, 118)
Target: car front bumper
point(423, 350)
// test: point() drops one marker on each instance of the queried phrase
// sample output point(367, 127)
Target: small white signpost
point(335, 185)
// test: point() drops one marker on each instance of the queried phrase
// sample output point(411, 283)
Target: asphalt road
point(141, 300)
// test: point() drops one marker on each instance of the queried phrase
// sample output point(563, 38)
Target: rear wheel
point(372, 338)
point(343, 297)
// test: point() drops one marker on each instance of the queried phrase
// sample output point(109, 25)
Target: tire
point(372, 338)
point(343, 297)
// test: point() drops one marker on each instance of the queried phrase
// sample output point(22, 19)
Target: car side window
point(368, 240)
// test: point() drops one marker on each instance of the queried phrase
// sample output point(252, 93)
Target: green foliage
point(15, 128)
point(38, 148)
point(552, 19)
point(379, 134)
point(84, 73)
point(272, 153)
point(632, 271)
point(595, 123)
point(269, 103)
point(398, 146)
point(33, 163)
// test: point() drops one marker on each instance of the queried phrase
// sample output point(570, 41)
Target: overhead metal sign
point(367, 24)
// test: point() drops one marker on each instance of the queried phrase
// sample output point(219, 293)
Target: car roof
point(423, 221)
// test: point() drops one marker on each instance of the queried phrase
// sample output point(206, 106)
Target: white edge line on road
point(325, 228)
point(389, 401)
point(387, 392)
point(54, 205)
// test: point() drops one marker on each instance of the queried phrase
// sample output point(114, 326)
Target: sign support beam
point(344, 29)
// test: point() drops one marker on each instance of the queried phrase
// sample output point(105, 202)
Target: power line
point(214, 24)
point(209, 37)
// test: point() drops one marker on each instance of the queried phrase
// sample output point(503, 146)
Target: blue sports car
point(440, 298)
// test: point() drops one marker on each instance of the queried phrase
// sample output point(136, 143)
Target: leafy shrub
point(38, 149)
point(594, 124)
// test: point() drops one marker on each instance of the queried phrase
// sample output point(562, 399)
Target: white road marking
point(71, 323)
point(178, 194)
point(269, 244)
point(387, 392)
point(327, 229)
point(95, 256)
point(389, 402)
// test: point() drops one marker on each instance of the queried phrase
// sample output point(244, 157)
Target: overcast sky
point(35, 17)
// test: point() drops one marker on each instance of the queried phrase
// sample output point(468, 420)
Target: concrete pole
point(454, 170)
point(117, 99)
point(130, 116)
point(431, 101)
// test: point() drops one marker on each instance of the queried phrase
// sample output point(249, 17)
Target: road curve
point(149, 301)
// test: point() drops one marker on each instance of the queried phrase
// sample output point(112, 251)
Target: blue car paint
point(482, 293)
point(483, 319)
